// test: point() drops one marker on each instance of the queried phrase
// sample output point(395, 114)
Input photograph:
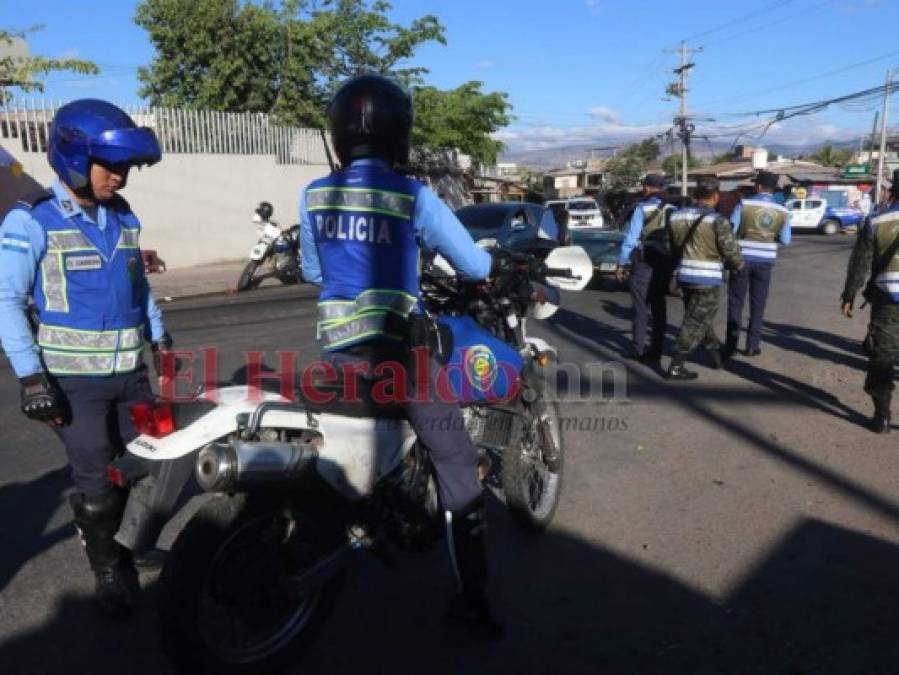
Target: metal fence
point(181, 131)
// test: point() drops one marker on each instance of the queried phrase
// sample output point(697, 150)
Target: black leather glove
point(41, 400)
point(503, 262)
point(159, 348)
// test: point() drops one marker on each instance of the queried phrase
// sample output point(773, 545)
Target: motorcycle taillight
point(152, 418)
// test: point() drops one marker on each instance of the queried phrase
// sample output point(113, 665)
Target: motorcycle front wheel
point(532, 491)
point(248, 278)
point(223, 606)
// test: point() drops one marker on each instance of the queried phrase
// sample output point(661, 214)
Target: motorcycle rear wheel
point(532, 491)
point(222, 609)
point(248, 278)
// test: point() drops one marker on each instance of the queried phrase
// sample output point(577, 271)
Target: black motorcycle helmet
point(371, 116)
point(264, 210)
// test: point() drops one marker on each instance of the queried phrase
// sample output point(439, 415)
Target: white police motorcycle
point(300, 485)
point(276, 249)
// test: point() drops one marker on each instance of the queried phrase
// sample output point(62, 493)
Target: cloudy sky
point(583, 71)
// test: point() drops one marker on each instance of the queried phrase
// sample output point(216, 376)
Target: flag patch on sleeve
point(15, 242)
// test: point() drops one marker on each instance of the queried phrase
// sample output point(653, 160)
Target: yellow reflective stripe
point(74, 339)
point(402, 195)
point(87, 363)
point(53, 281)
point(388, 203)
point(68, 240)
point(128, 238)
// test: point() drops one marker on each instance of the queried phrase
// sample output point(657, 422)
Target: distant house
point(578, 178)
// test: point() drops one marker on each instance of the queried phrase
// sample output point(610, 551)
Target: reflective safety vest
point(362, 223)
point(761, 222)
point(91, 307)
point(885, 229)
point(654, 234)
point(701, 263)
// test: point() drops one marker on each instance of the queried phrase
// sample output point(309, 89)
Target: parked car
point(584, 212)
point(603, 247)
point(814, 213)
point(500, 221)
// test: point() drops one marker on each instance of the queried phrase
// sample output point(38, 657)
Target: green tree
point(828, 155)
point(212, 54)
point(237, 56)
point(463, 118)
point(625, 170)
point(672, 164)
point(24, 72)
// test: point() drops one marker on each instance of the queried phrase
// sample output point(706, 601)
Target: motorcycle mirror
point(575, 259)
point(544, 310)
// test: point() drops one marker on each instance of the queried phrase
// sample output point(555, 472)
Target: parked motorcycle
point(302, 485)
point(276, 248)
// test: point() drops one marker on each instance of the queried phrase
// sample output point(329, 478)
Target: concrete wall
point(196, 208)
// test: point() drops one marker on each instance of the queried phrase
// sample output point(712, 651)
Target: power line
point(750, 15)
point(812, 78)
point(780, 20)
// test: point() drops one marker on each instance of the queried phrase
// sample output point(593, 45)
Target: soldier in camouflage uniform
point(704, 243)
point(874, 266)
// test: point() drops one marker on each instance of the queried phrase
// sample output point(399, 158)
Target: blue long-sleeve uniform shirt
point(786, 234)
point(633, 231)
point(23, 243)
point(436, 228)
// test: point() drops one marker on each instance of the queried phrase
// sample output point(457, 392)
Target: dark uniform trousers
point(98, 424)
point(883, 347)
point(756, 279)
point(439, 426)
point(649, 289)
point(700, 307)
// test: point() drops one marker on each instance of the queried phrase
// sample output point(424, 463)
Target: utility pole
point(873, 136)
point(883, 134)
point(679, 89)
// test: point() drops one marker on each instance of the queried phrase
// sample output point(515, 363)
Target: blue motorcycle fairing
point(481, 368)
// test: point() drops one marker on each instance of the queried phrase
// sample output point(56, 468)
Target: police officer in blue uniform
point(361, 230)
point(74, 249)
point(646, 253)
point(759, 223)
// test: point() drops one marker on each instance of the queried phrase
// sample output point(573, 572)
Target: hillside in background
point(555, 157)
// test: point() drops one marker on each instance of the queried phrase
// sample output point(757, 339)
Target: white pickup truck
point(814, 214)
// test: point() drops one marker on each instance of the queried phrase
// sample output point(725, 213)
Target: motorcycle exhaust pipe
point(239, 465)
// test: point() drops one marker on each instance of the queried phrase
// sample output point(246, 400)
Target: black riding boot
point(677, 370)
point(97, 519)
point(880, 422)
point(468, 556)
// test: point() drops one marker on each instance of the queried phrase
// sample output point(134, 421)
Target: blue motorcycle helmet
point(90, 130)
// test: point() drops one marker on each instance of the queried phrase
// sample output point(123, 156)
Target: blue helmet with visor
point(90, 130)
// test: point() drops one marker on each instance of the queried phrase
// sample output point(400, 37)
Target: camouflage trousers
point(882, 346)
point(700, 307)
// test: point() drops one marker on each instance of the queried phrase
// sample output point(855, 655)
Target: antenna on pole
point(680, 90)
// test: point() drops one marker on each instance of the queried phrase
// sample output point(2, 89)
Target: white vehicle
point(277, 249)
point(301, 485)
point(583, 212)
point(815, 214)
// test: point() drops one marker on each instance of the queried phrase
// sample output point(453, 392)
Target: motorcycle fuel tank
point(477, 366)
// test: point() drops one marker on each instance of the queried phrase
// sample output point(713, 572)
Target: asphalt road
point(743, 523)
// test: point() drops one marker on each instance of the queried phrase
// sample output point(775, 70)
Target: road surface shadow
point(23, 535)
point(806, 341)
point(822, 600)
point(704, 402)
